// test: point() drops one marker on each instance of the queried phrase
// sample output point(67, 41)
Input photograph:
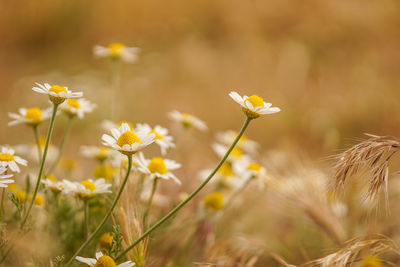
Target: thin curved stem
point(183, 203)
point(103, 222)
point(46, 147)
point(62, 146)
point(146, 213)
point(86, 211)
point(37, 141)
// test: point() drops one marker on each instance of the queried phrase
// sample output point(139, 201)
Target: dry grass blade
point(372, 156)
point(349, 253)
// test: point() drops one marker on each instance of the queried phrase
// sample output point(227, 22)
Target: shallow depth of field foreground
point(199, 133)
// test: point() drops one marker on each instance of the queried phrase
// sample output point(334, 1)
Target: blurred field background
point(331, 66)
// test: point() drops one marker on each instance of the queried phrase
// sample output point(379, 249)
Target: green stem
point(46, 147)
point(86, 211)
point(62, 146)
point(116, 82)
point(153, 190)
point(103, 222)
point(37, 140)
point(2, 203)
point(183, 203)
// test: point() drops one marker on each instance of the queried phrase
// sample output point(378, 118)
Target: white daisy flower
point(103, 261)
point(51, 183)
point(162, 139)
point(87, 189)
point(188, 120)
point(236, 154)
point(227, 138)
point(253, 106)
point(252, 170)
point(57, 94)
point(117, 51)
point(30, 116)
point(98, 153)
point(9, 160)
point(157, 167)
point(225, 178)
point(77, 107)
point(126, 141)
point(4, 181)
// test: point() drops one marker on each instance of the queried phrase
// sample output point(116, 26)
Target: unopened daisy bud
point(30, 116)
point(253, 106)
point(21, 196)
point(103, 261)
point(188, 120)
point(126, 141)
point(105, 240)
point(214, 201)
point(77, 107)
point(57, 94)
point(117, 51)
point(39, 200)
point(371, 261)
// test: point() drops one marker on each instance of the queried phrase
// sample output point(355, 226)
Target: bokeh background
point(331, 66)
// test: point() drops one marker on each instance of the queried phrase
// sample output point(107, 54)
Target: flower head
point(127, 141)
point(253, 106)
point(77, 107)
point(98, 153)
point(4, 178)
point(87, 189)
point(157, 167)
point(30, 116)
point(105, 240)
point(39, 200)
point(117, 51)
point(51, 183)
point(214, 201)
point(162, 139)
point(9, 160)
point(57, 94)
point(187, 120)
point(227, 138)
point(103, 261)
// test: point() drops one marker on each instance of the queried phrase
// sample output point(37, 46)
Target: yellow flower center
point(88, 185)
point(127, 122)
point(21, 196)
point(6, 157)
point(371, 261)
point(39, 200)
point(58, 89)
point(157, 165)
point(158, 136)
point(52, 178)
point(127, 138)
point(115, 48)
point(214, 201)
point(254, 167)
point(104, 171)
point(186, 119)
point(34, 114)
point(255, 100)
point(73, 103)
point(12, 187)
point(105, 261)
point(236, 152)
point(226, 169)
point(106, 240)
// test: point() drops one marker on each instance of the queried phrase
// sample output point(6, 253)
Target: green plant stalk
point(3, 192)
point(183, 203)
point(103, 222)
point(86, 211)
point(116, 83)
point(37, 141)
point(153, 190)
point(46, 147)
point(62, 146)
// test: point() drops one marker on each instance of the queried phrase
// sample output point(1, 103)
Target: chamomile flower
point(244, 143)
point(253, 106)
point(98, 153)
point(188, 120)
point(87, 189)
point(157, 167)
point(39, 200)
point(236, 154)
point(117, 51)
point(57, 94)
point(53, 185)
point(126, 141)
point(30, 116)
point(252, 170)
point(4, 178)
point(9, 160)
point(214, 201)
point(103, 261)
point(162, 139)
point(77, 107)
point(225, 178)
